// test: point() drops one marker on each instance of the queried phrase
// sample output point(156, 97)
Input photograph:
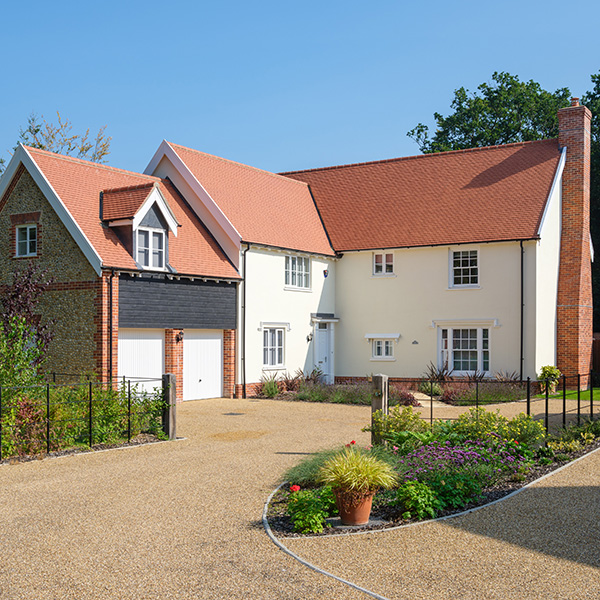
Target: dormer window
point(142, 219)
point(151, 248)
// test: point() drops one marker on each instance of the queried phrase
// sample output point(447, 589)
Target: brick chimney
point(574, 306)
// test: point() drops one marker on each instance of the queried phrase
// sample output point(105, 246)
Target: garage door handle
point(199, 380)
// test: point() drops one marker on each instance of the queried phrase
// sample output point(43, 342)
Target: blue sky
point(277, 85)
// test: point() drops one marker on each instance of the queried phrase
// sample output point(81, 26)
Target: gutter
point(522, 360)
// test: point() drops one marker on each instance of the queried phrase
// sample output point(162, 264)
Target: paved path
point(182, 520)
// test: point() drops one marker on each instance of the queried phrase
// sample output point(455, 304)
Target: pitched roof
point(265, 208)
point(123, 203)
point(78, 184)
point(465, 196)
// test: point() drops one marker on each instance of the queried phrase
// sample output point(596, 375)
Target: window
point(273, 347)
point(297, 272)
point(465, 350)
point(26, 240)
point(383, 264)
point(382, 349)
point(151, 248)
point(465, 268)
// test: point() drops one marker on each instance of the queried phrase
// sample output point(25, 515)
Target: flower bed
point(445, 471)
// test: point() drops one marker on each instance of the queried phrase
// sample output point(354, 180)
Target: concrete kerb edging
point(301, 560)
point(282, 547)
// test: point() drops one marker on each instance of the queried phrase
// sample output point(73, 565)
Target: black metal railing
point(59, 416)
point(559, 403)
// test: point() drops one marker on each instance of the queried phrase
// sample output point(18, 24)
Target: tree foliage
point(505, 111)
point(20, 302)
point(59, 137)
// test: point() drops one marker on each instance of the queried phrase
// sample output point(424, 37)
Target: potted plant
point(549, 375)
point(355, 476)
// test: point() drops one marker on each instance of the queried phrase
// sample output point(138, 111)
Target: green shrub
point(356, 471)
point(478, 423)
point(405, 419)
point(454, 489)
point(403, 442)
point(550, 374)
point(430, 388)
point(416, 501)
point(525, 430)
point(269, 386)
point(306, 471)
point(309, 509)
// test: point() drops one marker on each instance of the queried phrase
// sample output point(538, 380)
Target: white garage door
point(202, 364)
point(142, 356)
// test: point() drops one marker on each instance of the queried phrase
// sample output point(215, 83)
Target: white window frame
point(164, 251)
point(297, 272)
point(27, 242)
point(382, 349)
point(446, 349)
point(386, 266)
point(273, 348)
point(453, 270)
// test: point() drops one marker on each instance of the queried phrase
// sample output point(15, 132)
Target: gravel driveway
point(182, 520)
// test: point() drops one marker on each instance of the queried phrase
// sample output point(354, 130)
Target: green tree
point(505, 111)
point(591, 99)
point(59, 137)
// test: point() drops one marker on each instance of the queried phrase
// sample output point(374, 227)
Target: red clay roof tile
point(265, 208)
point(123, 203)
point(466, 196)
point(78, 184)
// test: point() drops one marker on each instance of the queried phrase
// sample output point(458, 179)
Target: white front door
point(323, 350)
point(202, 364)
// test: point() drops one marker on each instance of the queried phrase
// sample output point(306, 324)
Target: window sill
point(463, 287)
point(383, 360)
point(383, 276)
point(288, 288)
point(269, 368)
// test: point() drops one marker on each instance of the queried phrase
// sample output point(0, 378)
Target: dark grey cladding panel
point(154, 218)
point(158, 302)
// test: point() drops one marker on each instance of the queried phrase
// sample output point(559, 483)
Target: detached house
point(224, 274)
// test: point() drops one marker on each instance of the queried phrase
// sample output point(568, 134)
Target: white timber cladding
point(281, 314)
point(142, 357)
point(546, 267)
point(202, 364)
point(418, 303)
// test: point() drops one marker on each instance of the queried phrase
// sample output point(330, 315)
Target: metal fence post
point(591, 395)
point(529, 396)
point(431, 403)
point(169, 416)
point(47, 418)
point(379, 402)
point(477, 395)
point(564, 378)
point(547, 404)
point(91, 434)
point(578, 399)
point(129, 410)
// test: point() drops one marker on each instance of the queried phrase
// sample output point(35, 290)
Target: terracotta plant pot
point(354, 508)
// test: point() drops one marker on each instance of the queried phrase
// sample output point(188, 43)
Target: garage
point(142, 356)
point(202, 364)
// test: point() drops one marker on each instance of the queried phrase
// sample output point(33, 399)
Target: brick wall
point(174, 358)
point(71, 299)
point(252, 389)
point(574, 306)
point(229, 344)
point(106, 328)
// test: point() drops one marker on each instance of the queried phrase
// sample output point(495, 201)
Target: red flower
point(350, 444)
point(294, 488)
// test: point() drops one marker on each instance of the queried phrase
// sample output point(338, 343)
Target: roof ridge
point(88, 162)
point(418, 156)
point(239, 164)
point(130, 188)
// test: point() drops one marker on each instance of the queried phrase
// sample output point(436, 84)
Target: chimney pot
point(574, 101)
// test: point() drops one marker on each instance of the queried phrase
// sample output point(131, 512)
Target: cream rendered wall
point(418, 294)
point(547, 267)
point(268, 301)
